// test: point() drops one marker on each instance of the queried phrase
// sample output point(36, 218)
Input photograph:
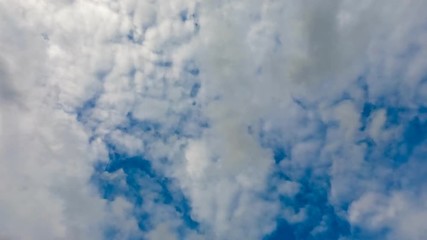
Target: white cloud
point(74, 71)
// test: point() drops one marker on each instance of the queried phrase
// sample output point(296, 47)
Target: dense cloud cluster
point(243, 119)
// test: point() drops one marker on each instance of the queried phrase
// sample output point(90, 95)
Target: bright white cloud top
point(221, 120)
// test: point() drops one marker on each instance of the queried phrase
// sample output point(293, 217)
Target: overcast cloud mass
point(213, 119)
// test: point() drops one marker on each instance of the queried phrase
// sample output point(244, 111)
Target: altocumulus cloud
point(258, 120)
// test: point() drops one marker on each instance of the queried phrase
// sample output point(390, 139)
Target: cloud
point(212, 119)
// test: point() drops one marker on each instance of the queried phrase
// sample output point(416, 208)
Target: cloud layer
point(213, 119)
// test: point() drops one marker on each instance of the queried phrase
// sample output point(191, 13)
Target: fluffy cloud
point(212, 119)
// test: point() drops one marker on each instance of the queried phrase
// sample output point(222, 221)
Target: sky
point(213, 120)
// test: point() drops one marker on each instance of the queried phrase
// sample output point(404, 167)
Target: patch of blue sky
point(398, 149)
point(184, 15)
point(322, 220)
point(133, 125)
point(274, 141)
point(140, 175)
point(191, 73)
point(195, 90)
point(363, 233)
point(367, 110)
point(83, 113)
point(279, 154)
point(133, 37)
point(414, 134)
point(313, 197)
point(369, 145)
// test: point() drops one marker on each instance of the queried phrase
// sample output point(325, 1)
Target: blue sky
point(213, 120)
